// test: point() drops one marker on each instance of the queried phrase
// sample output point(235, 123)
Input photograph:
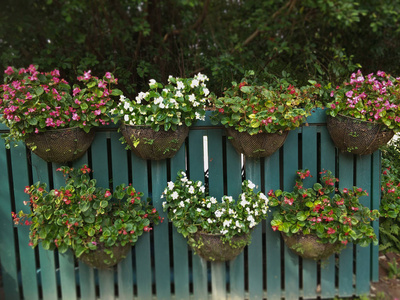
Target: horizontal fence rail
point(160, 265)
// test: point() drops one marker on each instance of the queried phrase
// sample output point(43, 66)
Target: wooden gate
point(161, 266)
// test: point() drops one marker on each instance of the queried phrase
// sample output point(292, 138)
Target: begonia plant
point(181, 102)
point(84, 217)
point(190, 210)
point(32, 101)
point(254, 107)
point(334, 215)
point(372, 97)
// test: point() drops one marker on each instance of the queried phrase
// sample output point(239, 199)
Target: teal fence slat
point(161, 264)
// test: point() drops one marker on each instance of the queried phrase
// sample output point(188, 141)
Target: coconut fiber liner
point(357, 136)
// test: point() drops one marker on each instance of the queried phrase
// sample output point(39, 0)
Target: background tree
point(138, 40)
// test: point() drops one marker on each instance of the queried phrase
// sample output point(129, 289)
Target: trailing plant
point(84, 217)
point(333, 215)
point(191, 211)
point(374, 98)
point(32, 101)
point(254, 107)
point(181, 102)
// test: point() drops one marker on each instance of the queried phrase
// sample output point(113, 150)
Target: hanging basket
point(258, 145)
point(308, 246)
point(211, 248)
point(102, 260)
point(155, 145)
point(357, 136)
point(60, 145)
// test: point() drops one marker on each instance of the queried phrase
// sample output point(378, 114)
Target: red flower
point(107, 194)
point(242, 84)
point(331, 230)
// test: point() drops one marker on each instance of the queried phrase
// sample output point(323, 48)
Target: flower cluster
point(81, 216)
point(390, 199)
point(181, 102)
point(32, 101)
point(338, 218)
point(374, 98)
point(255, 108)
point(191, 210)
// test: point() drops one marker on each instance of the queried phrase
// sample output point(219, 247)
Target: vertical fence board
point(234, 182)
point(27, 254)
point(100, 173)
point(290, 165)
point(376, 196)
point(199, 266)
point(142, 248)
point(7, 241)
point(120, 176)
point(328, 265)
point(216, 188)
point(255, 253)
point(273, 241)
point(161, 241)
point(309, 161)
point(363, 263)
point(47, 262)
point(180, 247)
point(345, 268)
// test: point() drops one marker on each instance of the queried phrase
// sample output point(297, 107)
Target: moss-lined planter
point(258, 145)
point(309, 246)
point(105, 258)
point(154, 145)
point(212, 248)
point(357, 136)
point(60, 145)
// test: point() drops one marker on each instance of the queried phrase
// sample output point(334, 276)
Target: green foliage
point(254, 107)
point(394, 269)
point(333, 215)
point(389, 227)
point(190, 210)
point(82, 217)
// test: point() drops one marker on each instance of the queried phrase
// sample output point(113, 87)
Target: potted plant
point(97, 225)
point(258, 116)
point(217, 231)
point(157, 122)
point(318, 221)
point(362, 114)
point(56, 124)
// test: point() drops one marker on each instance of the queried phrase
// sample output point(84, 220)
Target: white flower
point(197, 115)
point(170, 78)
point(227, 223)
point(198, 184)
point(164, 203)
point(218, 213)
point(213, 200)
point(152, 82)
point(126, 118)
point(180, 85)
point(263, 197)
point(251, 185)
point(181, 204)
point(224, 231)
point(252, 221)
point(208, 205)
point(192, 98)
point(184, 179)
point(244, 202)
point(194, 83)
point(162, 105)
point(202, 189)
point(171, 185)
point(174, 211)
point(206, 91)
point(178, 94)
point(175, 195)
point(187, 200)
point(158, 100)
point(198, 210)
point(191, 190)
point(209, 220)
point(237, 224)
point(231, 211)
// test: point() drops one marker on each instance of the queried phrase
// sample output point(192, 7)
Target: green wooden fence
point(161, 266)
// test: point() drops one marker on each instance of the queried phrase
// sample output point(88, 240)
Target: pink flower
point(87, 75)
point(102, 84)
point(9, 70)
point(331, 230)
point(349, 94)
point(108, 75)
point(76, 91)
point(107, 194)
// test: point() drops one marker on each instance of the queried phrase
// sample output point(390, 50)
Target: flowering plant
point(190, 210)
point(33, 101)
point(338, 218)
point(83, 217)
point(374, 98)
point(181, 102)
point(254, 108)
